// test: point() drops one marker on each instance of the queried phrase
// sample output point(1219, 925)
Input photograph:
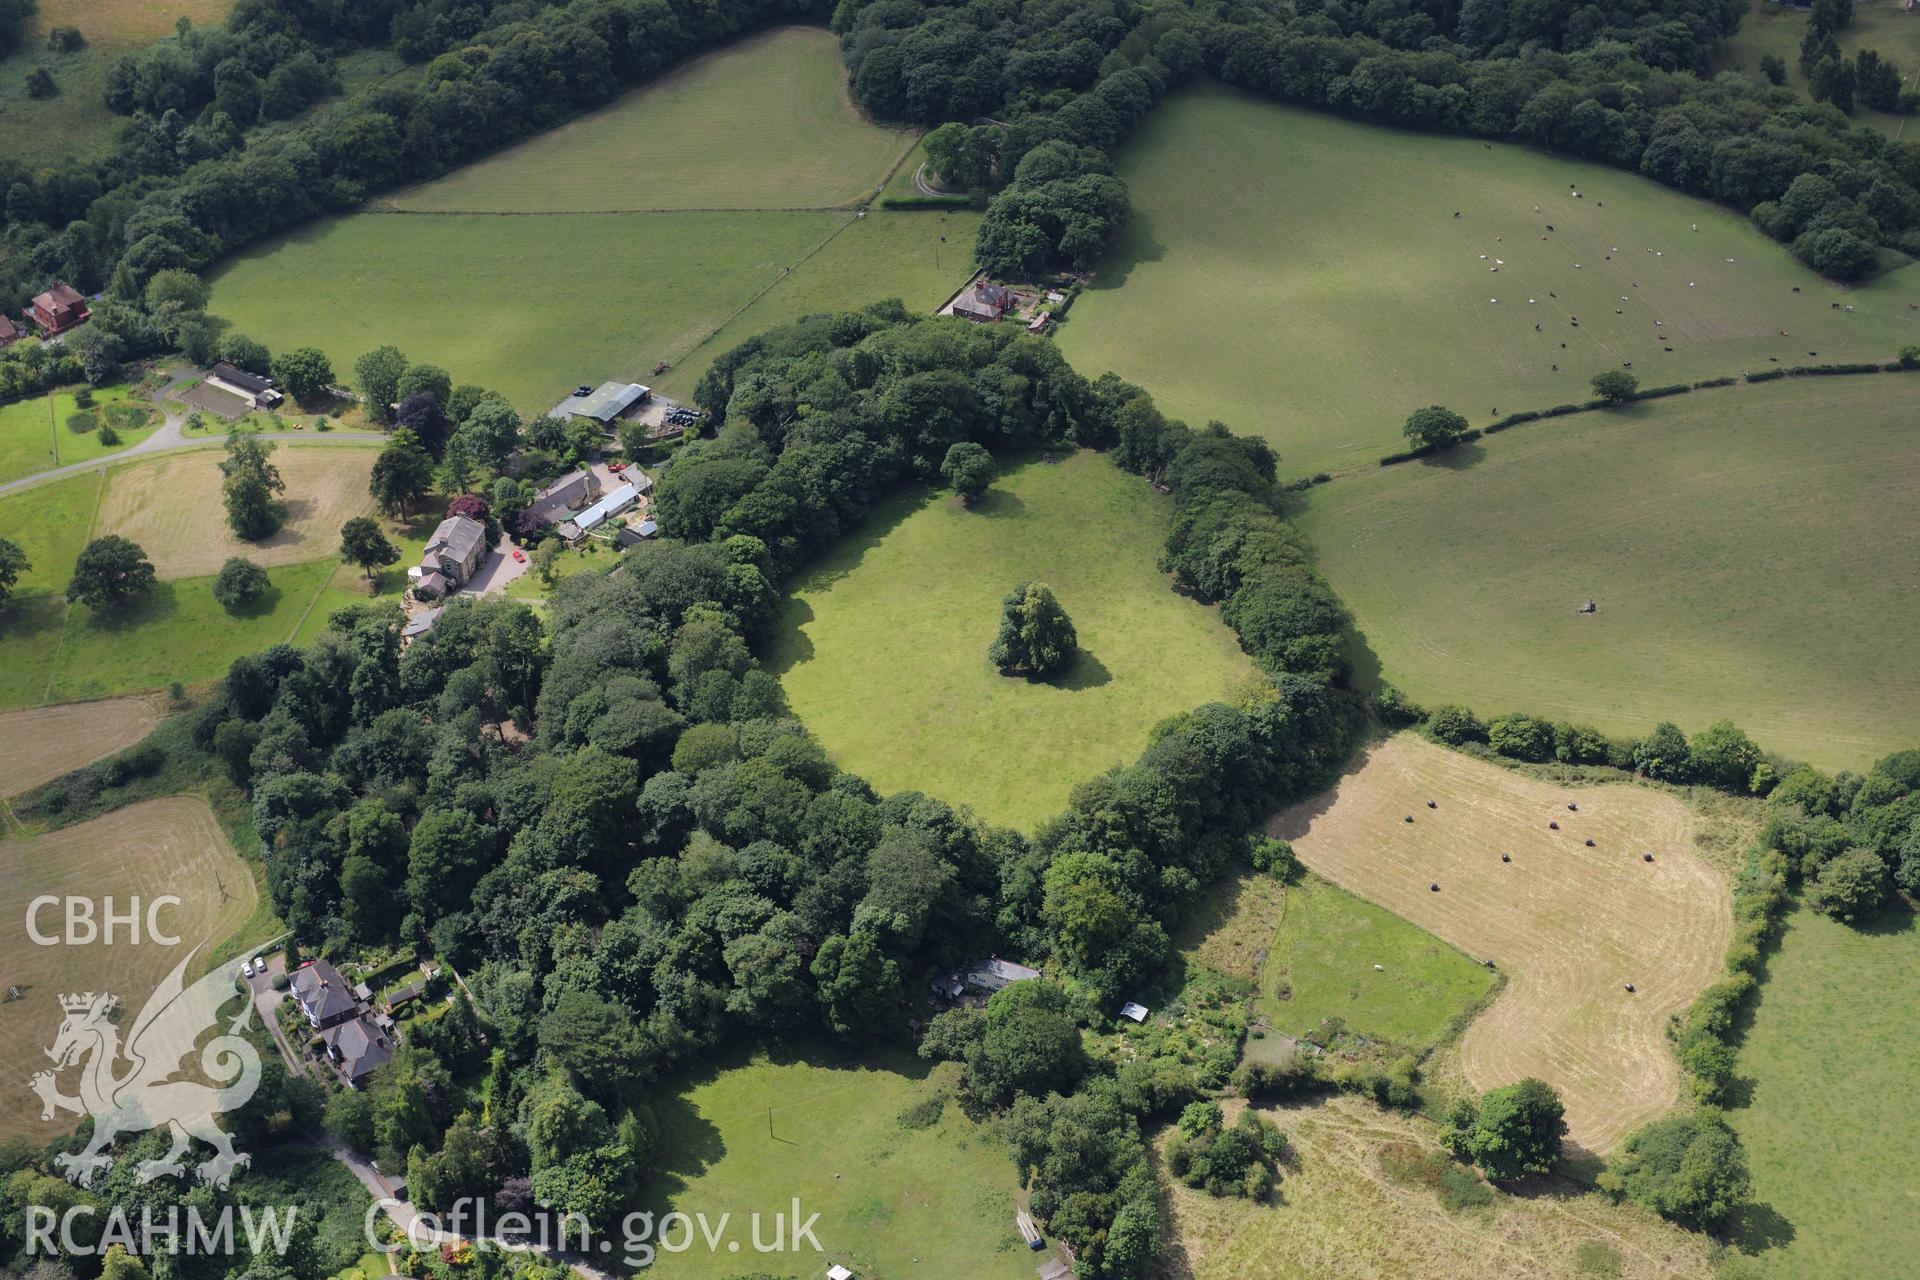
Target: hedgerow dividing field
point(172, 846)
point(882, 646)
point(550, 288)
point(1305, 278)
point(1569, 925)
point(1752, 551)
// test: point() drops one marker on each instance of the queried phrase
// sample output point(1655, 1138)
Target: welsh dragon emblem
point(130, 1088)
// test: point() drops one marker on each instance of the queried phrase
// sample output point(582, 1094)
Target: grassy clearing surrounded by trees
point(1339, 1211)
point(882, 645)
point(171, 846)
point(827, 1128)
point(1881, 25)
point(1752, 552)
point(532, 305)
point(762, 124)
point(1323, 955)
point(1831, 1132)
point(1304, 277)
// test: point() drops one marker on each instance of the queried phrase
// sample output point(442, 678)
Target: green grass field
point(754, 1134)
point(49, 522)
point(1752, 551)
point(882, 645)
point(1831, 1131)
point(533, 305)
point(1323, 956)
point(1880, 25)
point(1303, 277)
point(763, 124)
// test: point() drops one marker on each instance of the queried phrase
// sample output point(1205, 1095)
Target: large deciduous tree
point(402, 474)
point(379, 372)
point(968, 467)
point(13, 563)
point(306, 373)
point(110, 572)
point(1514, 1131)
point(1434, 427)
point(1036, 637)
point(363, 544)
point(251, 487)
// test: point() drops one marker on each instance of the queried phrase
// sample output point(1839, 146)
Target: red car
point(616, 467)
point(519, 555)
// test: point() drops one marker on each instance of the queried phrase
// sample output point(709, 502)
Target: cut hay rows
point(171, 846)
point(172, 508)
point(1337, 1214)
point(40, 743)
point(1568, 924)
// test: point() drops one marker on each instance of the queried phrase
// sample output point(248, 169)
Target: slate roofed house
point(633, 535)
point(258, 392)
point(9, 332)
point(608, 507)
point(59, 309)
point(420, 623)
point(358, 1048)
point(570, 493)
point(607, 403)
point(453, 553)
point(985, 303)
point(322, 994)
point(995, 974)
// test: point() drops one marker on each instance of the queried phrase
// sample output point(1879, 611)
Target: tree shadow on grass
point(269, 601)
point(1137, 245)
point(1087, 672)
point(1756, 1228)
point(1458, 458)
point(155, 606)
point(999, 504)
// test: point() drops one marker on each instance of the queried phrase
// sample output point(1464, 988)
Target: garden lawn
point(347, 586)
point(1752, 551)
point(1304, 278)
point(34, 435)
point(177, 632)
point(825, 1128)
point(883, 644)
point(765, 123)
point(1831, 1132)
point(1323, 956)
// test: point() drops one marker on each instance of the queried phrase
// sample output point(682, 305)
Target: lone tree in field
point(969, 469)
point(1036, 637)
point(402, 474)
point(1435, 427)
point(13, 563)
point(1516, 1130)
point(363, 544)
point(110, 572)
point(1615, 386)
point(306, 373)
point(241, 583)
point(251, 488)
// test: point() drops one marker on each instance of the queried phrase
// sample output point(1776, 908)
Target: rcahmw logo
point(130, 1088)
point(266, 1229)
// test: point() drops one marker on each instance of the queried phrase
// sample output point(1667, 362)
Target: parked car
point(519, 555)
point(584, 389)
point(246, 970)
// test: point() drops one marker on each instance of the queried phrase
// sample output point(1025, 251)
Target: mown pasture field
point(1752, 551)
point(827, 1127)
point(1569, 925)
point(1881, 25)
point(1338, 1211)
point(882, 645)
point(1830, 1129)
point(565, 291)
point(1303, 277)
point(1321, 965)
point(172, 507)
point(765, 123)
point(39, 744)
point(172, 846)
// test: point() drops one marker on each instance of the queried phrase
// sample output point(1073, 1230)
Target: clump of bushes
point(1240, 1159)
point(1513, 1131)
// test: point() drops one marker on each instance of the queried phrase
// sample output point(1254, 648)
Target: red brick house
point(59, 309)
point(9, 332)
point(984, 303)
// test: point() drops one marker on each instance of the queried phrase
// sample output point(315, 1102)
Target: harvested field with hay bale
point(1568, 924)
point(173, 509)
point(159, 847)
point(39, 744)
point(1346, 1207)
